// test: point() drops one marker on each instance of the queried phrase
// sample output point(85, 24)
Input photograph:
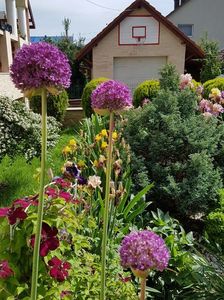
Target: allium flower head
point(40, 65)
point(111, 96)
point(144, 250)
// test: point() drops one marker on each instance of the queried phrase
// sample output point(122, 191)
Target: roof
point(192, 48)
point(177, 8)
point(31, 18)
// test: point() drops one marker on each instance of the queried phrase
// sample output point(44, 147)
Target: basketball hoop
point(140, 41)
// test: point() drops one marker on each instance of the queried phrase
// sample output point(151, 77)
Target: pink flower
point(59, 269)
point(13, 214)
point(5, 270)
point(53, 193)
point(94, 181)
point(185, 81)
point(49, 240)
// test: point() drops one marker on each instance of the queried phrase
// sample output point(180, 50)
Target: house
point(136, 45)
point(199, 17)
point(15, 23)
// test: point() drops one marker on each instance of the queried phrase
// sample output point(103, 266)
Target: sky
point(86, 18)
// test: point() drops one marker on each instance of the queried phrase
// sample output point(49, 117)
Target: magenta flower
point(13, 214)
point(61, 183)
point(5, 270)
point(53, 194)
point(26, 201)
point(59, 269)
point(144, 250)
point(111, 96)
point(40, 65)
point(49, 240)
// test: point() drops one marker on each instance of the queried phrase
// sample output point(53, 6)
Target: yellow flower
point(95, 163)
point(104, 132)
point(72, 142)
point(114, 135)
point(67, 150)
point(81, 164)
point(104, 145)
point(215, 92)
point(98, 137)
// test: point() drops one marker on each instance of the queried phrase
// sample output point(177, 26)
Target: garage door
point(134, 70)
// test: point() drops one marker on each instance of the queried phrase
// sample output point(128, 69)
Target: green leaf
point(137, 198)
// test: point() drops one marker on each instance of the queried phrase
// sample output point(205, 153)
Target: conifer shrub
point(213, 83)
point(215, 227)
point(86, 95)
point(169, 78)
point(56, 105)
point(145, 90)
point(179, 148)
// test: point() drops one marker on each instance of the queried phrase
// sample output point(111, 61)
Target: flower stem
point(143, 287)
point(41, 197)
point(106, 210)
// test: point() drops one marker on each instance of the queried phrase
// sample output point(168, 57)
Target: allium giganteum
point(144, 250)
point(111, 96)
point(40, 65)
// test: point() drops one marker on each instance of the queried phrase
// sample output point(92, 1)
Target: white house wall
point(205, 15)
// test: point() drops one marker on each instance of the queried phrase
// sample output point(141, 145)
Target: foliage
point(56, 105)
point(20, 130)
point(169, 78)
point(215, 227)
point(89, 152)
point(196, 84)
point(213, 83)
point(178, 147)
point(211, 66)
point(145, 90)
point(76, 249)
point(86, 96)
point(19, 178)
point(189, 272)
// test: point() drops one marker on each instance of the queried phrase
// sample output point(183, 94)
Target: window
point(187, 29)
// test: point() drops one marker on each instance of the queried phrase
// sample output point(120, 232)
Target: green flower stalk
point(52, 73)
point(108, 98)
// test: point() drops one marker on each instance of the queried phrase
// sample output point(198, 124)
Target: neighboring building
point(136, 45)
point(199, 17)
point(15, 23)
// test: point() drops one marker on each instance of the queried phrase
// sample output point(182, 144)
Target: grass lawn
point(17, 178)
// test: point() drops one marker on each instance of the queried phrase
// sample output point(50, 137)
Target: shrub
point(215, 227)
point(56, 105)
point(20, 130)
point(196, 84)
point(211, 66)
point(86, 96)
point(169, 78)
point(179, 149)
point(145, 90)
point(213, 83)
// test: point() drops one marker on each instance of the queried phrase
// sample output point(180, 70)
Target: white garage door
point(134, 70)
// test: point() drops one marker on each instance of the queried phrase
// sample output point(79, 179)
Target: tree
point(211, 66)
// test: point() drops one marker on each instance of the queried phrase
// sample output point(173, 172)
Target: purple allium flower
point(40, 65)
point(144, 250)
point(111, 96)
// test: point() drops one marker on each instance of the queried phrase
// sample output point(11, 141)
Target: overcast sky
point(87, 18)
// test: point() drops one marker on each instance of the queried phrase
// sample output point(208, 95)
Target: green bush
point(145, 90)
point(213, 83)
point(215, 227)
point(196, 84)
point(20, 130)
point(86, 96)
point(211, 65)
point(169, 78)
point(56, 105)
point(179, 149)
